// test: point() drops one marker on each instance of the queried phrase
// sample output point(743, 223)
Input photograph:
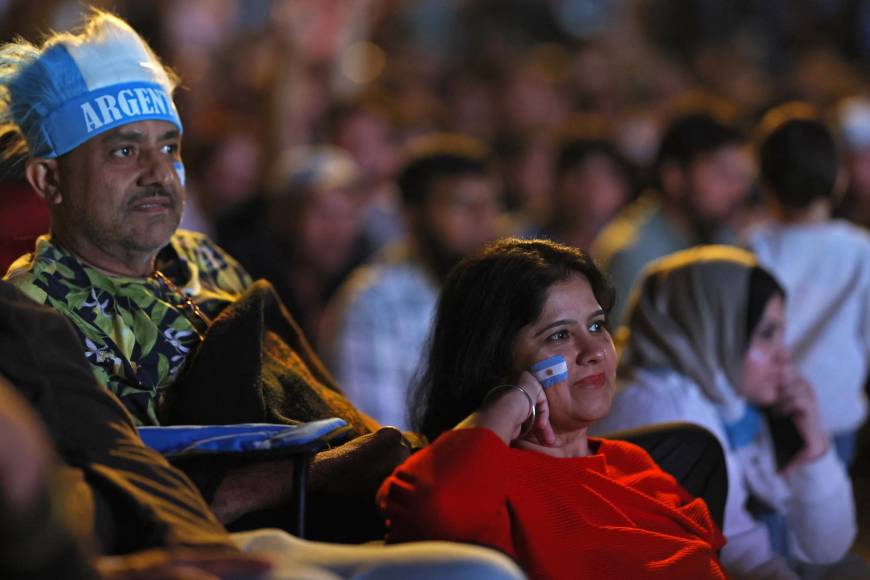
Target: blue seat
point(300, 442)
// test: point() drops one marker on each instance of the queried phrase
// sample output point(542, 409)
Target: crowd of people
point(506, 273)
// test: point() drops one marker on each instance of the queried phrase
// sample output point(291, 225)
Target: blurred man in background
point(592, 182)
point(375, 334)
point(310, 234)
point(702, 177)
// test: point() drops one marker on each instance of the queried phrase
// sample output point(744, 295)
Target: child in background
point(823, 264)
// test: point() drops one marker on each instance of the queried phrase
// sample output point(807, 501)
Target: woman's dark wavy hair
point(486, 300)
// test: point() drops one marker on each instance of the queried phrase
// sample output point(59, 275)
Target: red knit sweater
point(614, 514)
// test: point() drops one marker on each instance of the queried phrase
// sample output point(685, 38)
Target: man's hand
point(253, 487)
point(359, 466)
point(356, 468)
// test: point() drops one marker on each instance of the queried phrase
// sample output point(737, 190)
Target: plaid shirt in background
point(379, 329)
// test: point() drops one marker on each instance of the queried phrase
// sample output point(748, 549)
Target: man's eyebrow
point(554, 324)
point(171, 134)
point(118, 136)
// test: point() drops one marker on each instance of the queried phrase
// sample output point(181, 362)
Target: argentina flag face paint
point(550, 371)
point(179, 171)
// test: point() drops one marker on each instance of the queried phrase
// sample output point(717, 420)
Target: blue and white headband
point(83, 86)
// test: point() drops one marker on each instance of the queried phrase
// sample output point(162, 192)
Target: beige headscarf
point(688, 313)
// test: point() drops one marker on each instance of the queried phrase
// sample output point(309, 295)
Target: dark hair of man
point(484, 303)
point(574, 152)
point(799, 162)
point(435, 157)
point(762, 287)
point(693, 135)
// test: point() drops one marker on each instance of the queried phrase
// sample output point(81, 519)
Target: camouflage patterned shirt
point(136, 332)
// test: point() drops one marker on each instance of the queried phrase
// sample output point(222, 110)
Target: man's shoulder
point(189, 244)
point(850, 234)
point(44, 254)
point(210, 260)
point(10, 294)
point(836, 240)
point(46, 271)
point(390, 276)
point(626, 231)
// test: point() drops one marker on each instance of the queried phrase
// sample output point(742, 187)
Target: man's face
point(592, 192)
point(121, 190)
point(327, 229)
point(718, 184)
point(460, 214)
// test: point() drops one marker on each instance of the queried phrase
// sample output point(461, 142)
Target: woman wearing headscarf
point(703, 343)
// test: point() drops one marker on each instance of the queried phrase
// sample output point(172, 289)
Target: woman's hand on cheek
point(542, 431)
point(505, 409)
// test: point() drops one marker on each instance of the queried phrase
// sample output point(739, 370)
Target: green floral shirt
point(137, 332)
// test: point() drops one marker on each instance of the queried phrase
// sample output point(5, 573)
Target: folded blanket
point(255, 366)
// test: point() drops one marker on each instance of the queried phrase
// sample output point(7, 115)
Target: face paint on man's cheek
point(550, 371)
point(179, 171)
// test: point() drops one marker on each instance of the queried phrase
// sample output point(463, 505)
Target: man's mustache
point(151, 193)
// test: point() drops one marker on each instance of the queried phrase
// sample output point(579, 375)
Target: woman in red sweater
point(518, 472)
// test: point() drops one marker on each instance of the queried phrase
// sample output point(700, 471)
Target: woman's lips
point(595, 381)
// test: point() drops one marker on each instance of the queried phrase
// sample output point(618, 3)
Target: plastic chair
point(300, 441)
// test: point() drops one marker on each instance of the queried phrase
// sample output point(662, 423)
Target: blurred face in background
point(530, 177)
point(232, 173)
point(766, 361)
point(321, 228)
point(369, 139)
point(591, 193)
point(718, 183)
point(459, 216)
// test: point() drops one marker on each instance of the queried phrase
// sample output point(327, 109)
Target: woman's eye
point(768, 332)
point(558, 336)
point(597, 326)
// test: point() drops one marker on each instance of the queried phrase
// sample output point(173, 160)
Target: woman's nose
point(588, 352)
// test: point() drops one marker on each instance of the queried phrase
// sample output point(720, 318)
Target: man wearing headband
point(94, 115)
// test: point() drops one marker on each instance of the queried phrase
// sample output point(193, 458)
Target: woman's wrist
point(506, 410)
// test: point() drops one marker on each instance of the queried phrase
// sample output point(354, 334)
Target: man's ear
point(44, 177)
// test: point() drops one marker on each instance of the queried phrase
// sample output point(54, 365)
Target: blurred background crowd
point(298, 115)
point(262, 77)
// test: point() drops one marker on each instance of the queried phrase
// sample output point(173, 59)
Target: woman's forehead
point(574, 294)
